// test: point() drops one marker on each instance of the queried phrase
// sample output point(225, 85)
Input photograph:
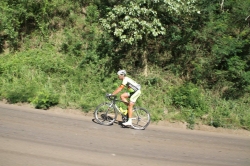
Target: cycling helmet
point(122, 72)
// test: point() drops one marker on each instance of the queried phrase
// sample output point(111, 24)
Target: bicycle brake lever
point(108, 95)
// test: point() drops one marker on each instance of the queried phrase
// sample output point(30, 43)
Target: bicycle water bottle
point(124, 112)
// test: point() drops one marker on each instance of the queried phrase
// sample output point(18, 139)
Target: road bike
point(106, 114)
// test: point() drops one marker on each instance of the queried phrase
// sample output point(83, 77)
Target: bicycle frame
point(140, 117)
point(113, 102)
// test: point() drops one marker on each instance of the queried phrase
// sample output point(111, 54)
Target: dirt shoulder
point(177, 125)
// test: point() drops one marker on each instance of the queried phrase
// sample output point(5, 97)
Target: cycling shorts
point(134, 95)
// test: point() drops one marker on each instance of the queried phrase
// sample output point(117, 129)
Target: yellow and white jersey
point(131, 84)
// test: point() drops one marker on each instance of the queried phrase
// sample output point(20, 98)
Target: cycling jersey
point(131, 84)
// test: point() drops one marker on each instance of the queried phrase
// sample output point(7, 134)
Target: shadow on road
point(110, 118)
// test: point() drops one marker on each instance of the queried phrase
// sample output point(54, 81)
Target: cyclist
point(133, 93)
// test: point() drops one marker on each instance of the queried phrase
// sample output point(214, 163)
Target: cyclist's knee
point(131, 104)
point(124, 96)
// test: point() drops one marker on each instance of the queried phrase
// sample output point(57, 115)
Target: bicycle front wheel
point(140, 118)
point(105, 114)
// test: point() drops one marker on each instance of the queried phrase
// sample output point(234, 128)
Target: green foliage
point(87, 41)
point(132, 23)
point(92, 14)
point(240, 79)
point(226, 64)
point(190, 100)
point(156, 115)
point(228, 114)
point(190, 117)
point(21, 18)
point(73, 44)
point(9, 24)
point(19, 92)
point(189, 96)
point(63, 57)
point(44, 100)
point(245, 121)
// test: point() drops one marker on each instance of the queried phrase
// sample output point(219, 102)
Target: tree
point(225, 39)
point(137, 23)
point(132, 24)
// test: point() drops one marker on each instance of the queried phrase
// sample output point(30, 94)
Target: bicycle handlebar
point(111, 97)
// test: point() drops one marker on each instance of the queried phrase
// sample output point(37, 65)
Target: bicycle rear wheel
point(105, 114)
point(140, 118)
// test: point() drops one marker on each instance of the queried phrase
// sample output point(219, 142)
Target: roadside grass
point(45, 77)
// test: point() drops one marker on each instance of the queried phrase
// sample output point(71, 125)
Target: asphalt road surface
point(31, 137)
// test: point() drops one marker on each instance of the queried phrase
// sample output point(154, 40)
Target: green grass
point(45, 77)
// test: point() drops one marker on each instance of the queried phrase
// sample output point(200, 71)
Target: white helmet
point(122, 72)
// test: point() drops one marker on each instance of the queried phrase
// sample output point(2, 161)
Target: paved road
point(30, 137)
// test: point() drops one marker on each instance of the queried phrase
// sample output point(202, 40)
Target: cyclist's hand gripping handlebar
point(110, 96)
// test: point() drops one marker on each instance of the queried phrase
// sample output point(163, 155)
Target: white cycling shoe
point(128, 123)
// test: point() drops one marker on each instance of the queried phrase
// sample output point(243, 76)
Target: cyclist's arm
point(118, 89)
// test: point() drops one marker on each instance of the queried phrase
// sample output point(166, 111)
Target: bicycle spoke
point(105, 114)
point(140, 119)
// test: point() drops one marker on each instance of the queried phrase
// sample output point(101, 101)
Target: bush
point(228, 114)
point(245, 121)
point(19, 93)
point(189, 96)
point(191, 102)
point(44, 100)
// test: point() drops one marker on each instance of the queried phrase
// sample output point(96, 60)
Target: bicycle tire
point(140, 118)
point(105, 114)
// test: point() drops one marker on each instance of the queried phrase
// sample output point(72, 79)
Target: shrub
point(228, 113)
point(18, 92)
point(245, 121)
point(189, 96)
point(44, 100)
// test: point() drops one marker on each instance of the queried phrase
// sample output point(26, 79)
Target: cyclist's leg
point(131, 104)
point(135, 96)
point(133, 99)
point(124, 97)
point(130, 108)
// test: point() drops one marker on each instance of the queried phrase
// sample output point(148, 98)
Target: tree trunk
point(145, 63)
